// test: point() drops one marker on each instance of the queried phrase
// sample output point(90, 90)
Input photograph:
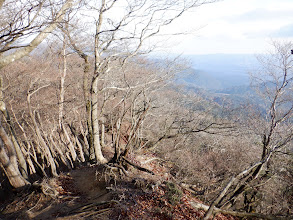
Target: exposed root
point(91, 209)
point(48, 187)
point(110, 173)
point(138, 167)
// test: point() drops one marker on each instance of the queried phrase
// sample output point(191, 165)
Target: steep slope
point(90, 193)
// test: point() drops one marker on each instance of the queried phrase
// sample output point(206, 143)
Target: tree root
point(95, 213)
point(116, 167)
point(91, 209)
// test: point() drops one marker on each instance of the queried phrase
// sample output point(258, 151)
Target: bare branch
point(4, 61)
point(238, 214)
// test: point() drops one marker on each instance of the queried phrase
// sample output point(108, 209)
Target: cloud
point(257, 34)
point(262, 14)
point(285, 31)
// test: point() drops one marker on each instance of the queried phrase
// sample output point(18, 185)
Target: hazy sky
point(234, 26)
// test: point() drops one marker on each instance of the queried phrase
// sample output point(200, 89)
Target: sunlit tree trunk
point(95, 124)
point(94, 92)
point(9, 161)
point(62, 81)
point(20, 157)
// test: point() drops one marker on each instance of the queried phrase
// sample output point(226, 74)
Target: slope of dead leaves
point(156, 197)
point(84, 194)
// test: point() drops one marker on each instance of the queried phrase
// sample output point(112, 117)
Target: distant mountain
point(199, 79)
point(237, 90)
point(218, 71)
point(220, 77)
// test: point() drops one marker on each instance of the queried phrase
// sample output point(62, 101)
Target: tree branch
point(37, 40)
point(237, 214)
point(1, 3)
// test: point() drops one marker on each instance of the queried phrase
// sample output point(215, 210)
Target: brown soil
point(70, 196)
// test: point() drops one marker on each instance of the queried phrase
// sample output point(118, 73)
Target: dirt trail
point(83, 194)
point(80, 192)
point(90, 185)
point(92, 195)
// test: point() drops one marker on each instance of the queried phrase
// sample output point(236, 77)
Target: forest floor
point(98, 192)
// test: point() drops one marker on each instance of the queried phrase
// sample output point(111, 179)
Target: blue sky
point(233, 26)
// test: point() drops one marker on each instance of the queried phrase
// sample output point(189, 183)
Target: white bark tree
point(19, 22)
point(122, 30)
point(118, 30)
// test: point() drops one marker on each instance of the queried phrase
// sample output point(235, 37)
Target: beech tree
point(118, 31)
point(121, 30)
point(19, 22)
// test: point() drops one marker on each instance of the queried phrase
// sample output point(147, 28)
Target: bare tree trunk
point(27, 153)
point(20, 157)
point(22, 162)
point(62, 156)
point(117, 140)
point(88, 104)
point(95, 124)
point(3, 109)
point(86, 144)
point(82, 144)
point(31, 165)
point(103, 134)
point(1, 3)
point(62, 81)
point(61, 104)
point(9, 162)
point(80, 149)
point(70, 145)
point(217, 200)
point(94, 93)
point(39, 135)
point(86, 93)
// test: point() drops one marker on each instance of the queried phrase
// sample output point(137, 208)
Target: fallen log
point(238, 214)
point(138, 167)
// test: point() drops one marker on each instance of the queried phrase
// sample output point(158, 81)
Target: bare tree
point(23, 24)
point(119, 38)
point(118, 31)
point(274, 82)
point(18, 22)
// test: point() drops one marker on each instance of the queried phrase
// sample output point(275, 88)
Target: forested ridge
point(93, 127)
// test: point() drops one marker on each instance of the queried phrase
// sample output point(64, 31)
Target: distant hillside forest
point(131, 121)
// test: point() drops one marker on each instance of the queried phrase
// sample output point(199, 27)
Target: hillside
point(82, 194)
point(93, 127)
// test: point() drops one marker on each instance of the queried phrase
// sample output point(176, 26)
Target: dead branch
point(216, 201)
point(237, 214)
